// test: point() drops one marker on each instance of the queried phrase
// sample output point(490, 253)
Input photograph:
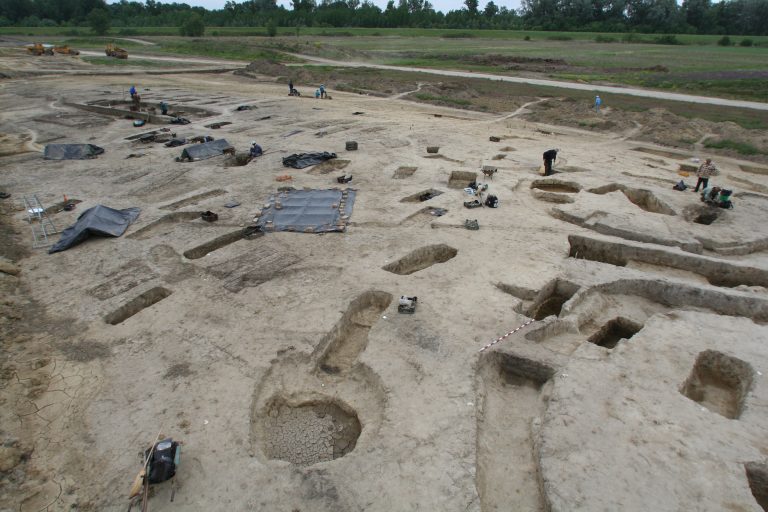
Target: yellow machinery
point(65, 50)
point(40, 49)
point(114, 51)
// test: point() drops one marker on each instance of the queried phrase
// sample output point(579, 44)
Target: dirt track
point(645, 93)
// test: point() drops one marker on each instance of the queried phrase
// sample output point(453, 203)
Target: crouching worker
point(255, 150)
point(549, 158)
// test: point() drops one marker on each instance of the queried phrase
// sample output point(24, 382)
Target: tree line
point(736, 17)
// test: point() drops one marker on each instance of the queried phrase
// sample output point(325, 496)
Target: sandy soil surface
point(281, 361)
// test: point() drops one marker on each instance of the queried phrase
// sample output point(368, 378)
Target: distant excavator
point(113, 51)
point(38, 49)
point(65, 50)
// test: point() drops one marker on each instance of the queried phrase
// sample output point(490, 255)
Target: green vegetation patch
point(443, 99)
point(734, 145)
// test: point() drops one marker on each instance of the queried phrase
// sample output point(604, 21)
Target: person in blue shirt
point(322, 91)
point(255, 150)
point(133, 91)
point(598, 102)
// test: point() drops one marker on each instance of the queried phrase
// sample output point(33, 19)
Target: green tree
point(99, 21)
point(193, 26)
point(271, 27)
point(471, 6)
point(490, 10)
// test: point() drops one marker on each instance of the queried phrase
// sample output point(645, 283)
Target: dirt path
point(550, 83)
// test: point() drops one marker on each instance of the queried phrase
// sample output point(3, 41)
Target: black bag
point(162, 465)
point(492, 201)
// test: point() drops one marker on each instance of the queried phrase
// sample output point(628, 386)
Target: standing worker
point(163, 108)
point(549, 159)
point(706, 170)
point(290, 87)
point(322, 91)
point(598, 102)
point(132, 91)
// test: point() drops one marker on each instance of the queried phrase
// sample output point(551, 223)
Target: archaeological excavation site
point(342, 318)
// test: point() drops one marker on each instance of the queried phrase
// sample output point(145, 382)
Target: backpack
point(492, 201)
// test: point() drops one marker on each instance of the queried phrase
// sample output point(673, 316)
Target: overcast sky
point(440, 5)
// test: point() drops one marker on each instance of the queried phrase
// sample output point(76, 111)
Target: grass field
point(699, 66)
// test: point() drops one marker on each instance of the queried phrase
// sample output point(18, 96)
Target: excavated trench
point(404, 172)
point(349, 337)
point(310, 432)
point(215, 244)
point(163, 222)
point(194, 199)
point(717, 272)
point(421, 258)
point(137, 304)
point(719, 382)
point(757, 476)
point(420, 197)
point(642, 198)
point(557, 186)
point(510, 397)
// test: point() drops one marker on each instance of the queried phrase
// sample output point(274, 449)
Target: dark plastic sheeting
point(205, 150)
point(302, 160)
point(71, 151)
point(99, 220)
point(308, 211)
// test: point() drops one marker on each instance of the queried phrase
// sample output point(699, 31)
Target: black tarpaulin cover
point(308, 211)
point(302, 160)
point(205, 150)
point(99, 220)
point(71, 151)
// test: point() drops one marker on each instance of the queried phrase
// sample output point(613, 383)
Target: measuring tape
point(529, 322)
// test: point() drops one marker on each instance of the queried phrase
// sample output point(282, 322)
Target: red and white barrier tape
point(506, 335)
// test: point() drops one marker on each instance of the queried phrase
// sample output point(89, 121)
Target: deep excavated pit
point(719, 382)
point(310, 432)
point(509, 397)
point(757, 475)
point(613, 331)
point(420, 259)
point(216, 243)
point(349, 337)
point(137, 304)
point(461, 179)
point(550, 299)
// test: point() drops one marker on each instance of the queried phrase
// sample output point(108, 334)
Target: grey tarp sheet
point(71, 151)
point(99, 220)
point(205, 150)
point(308, 211)
point(302, 160)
